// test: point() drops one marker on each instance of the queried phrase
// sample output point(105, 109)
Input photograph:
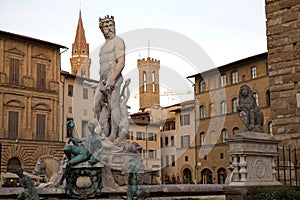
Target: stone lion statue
point(248, 110)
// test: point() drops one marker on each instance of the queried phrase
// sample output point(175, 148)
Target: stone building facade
point(29, 100)
point(283, 38)
point(216, 95)
point(178, 144)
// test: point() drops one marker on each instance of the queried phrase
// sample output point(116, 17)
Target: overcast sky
point(226, 30)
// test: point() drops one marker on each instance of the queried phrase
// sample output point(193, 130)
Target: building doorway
point(221, 175)
point(13, 164)
point(187, 176)
point(206, 176)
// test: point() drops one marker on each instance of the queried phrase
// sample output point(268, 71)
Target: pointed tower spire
point(80, 61)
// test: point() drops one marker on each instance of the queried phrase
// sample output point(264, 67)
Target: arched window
point(144, 81)
point(153, 81)
point(270, 127)
point(223, 107)
point(255, 95)
point(202, 136)
point(235, 103)
point(235, 130)
point(221, 175)
point(224, 135)
point(202, 86)
point(202, 112)
point(234, 77)
point(268, 98)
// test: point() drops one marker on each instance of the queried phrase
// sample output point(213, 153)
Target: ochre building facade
point(29, 100)
point(216, 95)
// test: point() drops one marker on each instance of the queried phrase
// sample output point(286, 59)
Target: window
point(221, 156)
point(70, 109)
point(202, 86)
point(185, 141)
point(224, 135)
point(270, 128)
point(268, 98)
point(234, 77)
point(153, 81)
point(202, 136)
point(235, 130)
point(255, 95)
point(205, 157)
point(223, 108)
point(173, 160)
point(85, 93)
point(166, 141)
point(223, 82)
point(253, 72)
point(151, 136)
point(14, 71)
point(186, 158)
point(235, 103)
point(185, 119)
point(172, 141)
point(139, 135)
point(13, 124)
point(202, 112)
point(84, 128)
point(152, 154)
point(161, 143)
point(167, 161)
point(212, 109)
point(144, 82)
point(161, 160)
point(41, 76)
point(70, 90)
point(40, 126)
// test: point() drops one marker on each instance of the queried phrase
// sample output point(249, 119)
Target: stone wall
point(283, 37)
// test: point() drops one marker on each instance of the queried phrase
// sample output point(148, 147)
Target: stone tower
point(283, 37)
point(80, 60)
point(148, 82)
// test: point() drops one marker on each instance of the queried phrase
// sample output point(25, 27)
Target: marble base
point(253, 157)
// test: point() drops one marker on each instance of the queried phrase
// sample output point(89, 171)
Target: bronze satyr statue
point(249, 112)
point(30, 191)
point(90, 151)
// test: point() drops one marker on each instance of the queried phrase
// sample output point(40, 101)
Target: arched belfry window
point(153, 81)
point(144, 81)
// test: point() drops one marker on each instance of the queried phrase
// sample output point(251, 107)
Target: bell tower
point(80, 60)
point(148, 82)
